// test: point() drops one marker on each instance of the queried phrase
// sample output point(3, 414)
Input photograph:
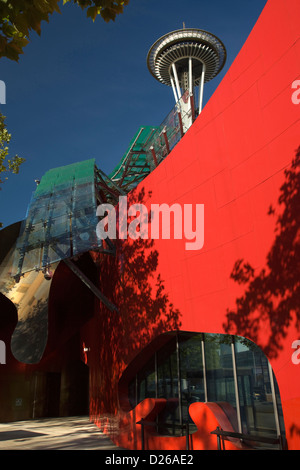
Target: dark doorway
point(74, 390)
point(53, 380)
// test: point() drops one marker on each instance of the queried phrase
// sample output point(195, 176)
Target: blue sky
point(82, 89)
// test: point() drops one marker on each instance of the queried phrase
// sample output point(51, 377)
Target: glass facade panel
point(191, 372)
point(168, 387)
point(255, 391)
point(218, 368)
point(61, 219)
point(146, 382)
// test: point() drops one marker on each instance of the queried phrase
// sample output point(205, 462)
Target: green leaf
point(92, 12)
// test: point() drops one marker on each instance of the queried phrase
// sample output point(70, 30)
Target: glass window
point(255, 391)
point(193, 367)
point(132, 393)
point(219, 369)
point(147, 382)
point(191, 372)
point(168, 388)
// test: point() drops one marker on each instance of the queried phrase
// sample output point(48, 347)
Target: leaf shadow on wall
point(271, 296)
point(131, 280)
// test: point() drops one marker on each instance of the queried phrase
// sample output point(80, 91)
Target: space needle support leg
point(190, 76)
point(201, 87)
point(174, 90)
point(176, 80)
point(192, 106)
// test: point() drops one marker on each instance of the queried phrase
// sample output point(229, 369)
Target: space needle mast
point(185, 59)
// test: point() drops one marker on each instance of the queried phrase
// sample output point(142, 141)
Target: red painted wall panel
point(232, 160)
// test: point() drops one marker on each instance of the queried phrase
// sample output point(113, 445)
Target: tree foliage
point(271, 296)
point(18, 18)
point(7, 165)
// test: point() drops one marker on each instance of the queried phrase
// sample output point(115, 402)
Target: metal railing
point(170, 131)
point(144, 423)
point(246, 439)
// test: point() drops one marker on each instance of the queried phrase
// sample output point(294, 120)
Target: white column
point(274, 399)
point(236, 388)
point(174, 90)
point(201, 87)
point(176, 80)
point(190, 76)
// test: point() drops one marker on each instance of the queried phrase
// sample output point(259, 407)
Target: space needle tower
point(185, 59)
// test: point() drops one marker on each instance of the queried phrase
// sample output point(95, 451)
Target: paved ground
point(76, 433)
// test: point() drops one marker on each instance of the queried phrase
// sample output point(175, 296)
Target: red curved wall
point(232, 160)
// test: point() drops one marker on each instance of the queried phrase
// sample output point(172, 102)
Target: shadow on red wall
point(130, 280)
point(133, 282)
point(271, 296)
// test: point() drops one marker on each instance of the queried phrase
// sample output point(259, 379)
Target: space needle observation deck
point(185, 59)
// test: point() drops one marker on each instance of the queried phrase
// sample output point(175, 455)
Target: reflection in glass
point(168, 387)
point(61, 219)
point(219, 369)
point(224, 369)
point(191, 372)
point(30, 297)
point(256, 401)
point(147, 382)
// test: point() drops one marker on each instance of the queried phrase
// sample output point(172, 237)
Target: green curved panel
point(61, 218)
